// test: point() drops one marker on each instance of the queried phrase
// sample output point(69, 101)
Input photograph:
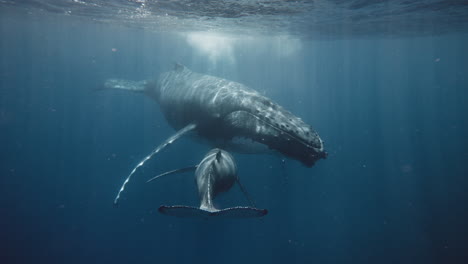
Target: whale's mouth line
point(287, 133)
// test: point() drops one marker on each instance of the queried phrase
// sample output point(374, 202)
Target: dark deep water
point(392, 112)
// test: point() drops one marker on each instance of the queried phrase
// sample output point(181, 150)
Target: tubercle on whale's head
point(291, 136)
point(269, 123)
point(310, 160)
point(303, 144)
point(281, 132)
point(298, 150)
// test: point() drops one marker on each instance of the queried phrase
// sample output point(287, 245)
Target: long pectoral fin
point(193, 212)
point(169, 141)
point(173, 172)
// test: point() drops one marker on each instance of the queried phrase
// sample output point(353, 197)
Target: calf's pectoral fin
point(182, 170)
point(246, 194)
point(169, 141)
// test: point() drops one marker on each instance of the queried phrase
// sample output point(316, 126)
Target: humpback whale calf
point(225, 113)
point(215, 174)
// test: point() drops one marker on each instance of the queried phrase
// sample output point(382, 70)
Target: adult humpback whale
point(222, 112)
point(216, 173)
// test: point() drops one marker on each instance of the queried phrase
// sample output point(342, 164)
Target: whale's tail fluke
point(120, 84)
point(194, 212)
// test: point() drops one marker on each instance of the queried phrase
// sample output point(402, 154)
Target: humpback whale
point(224, 113)
point(216, 173)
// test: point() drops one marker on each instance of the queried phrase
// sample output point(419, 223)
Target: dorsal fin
point(218, 156)
point(178, 67)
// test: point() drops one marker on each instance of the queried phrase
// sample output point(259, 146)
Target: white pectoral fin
point(182, 170)
point(169, 141)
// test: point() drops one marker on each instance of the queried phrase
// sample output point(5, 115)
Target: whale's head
point(271, 125)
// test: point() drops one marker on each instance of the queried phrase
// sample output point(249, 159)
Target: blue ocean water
point(391, 108)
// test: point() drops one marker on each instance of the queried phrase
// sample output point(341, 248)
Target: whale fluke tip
point(194, 212)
